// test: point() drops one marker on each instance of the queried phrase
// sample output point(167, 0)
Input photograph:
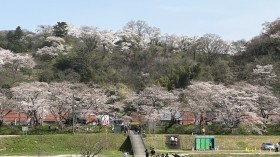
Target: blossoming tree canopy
point(59, 99)
point(17, 60)
point(57, 47)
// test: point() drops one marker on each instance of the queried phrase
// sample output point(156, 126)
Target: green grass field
point(229, 145)
point(62, 144)
point(113, 144)
point(225, 142)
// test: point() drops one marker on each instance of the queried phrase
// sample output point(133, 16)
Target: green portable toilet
point(204, 143)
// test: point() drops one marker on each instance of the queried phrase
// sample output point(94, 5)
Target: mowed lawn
point(229, 145)
point(113, 144)
point(62, 144)
point(224, 142)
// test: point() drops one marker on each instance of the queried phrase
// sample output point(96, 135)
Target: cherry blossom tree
point(264, 75)
point(32, 98)
point(212, 46)
point(92, 38)
point(237, 47)
point(5, 56)
point(57, 47)
point(153, 99)
point(171, 43)
point(137, 35)
point(153, 34)
point(139, 26)
point(129, 39)
point(7, 104)
point(107, 40)
point(44, 30)
point(60, 104)
point(84, 31)
point(67, 101)
point(230, 103)
point(16, 61)
point(63, 100)
point(196, 98)
point(236, 100)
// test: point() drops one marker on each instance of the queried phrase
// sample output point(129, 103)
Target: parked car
point(267, 146)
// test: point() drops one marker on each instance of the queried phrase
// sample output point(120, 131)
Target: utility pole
point(19, 109)
point(42, 116)
point(73, 115)
point(19, 120)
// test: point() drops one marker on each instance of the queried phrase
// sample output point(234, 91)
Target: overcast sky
point(230, 19)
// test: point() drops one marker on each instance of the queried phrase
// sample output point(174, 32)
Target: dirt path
point(66, 155)
point(8, 136)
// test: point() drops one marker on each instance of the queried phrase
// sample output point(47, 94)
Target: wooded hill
point(138, 66)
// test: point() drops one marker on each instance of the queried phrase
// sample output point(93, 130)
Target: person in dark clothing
point(147, 153)
point(175, 155)
point(153, 152)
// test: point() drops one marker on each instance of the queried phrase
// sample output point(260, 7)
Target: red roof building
point(187, 118)
point(15, 117)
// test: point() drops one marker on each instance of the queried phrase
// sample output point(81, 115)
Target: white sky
point(230, 19)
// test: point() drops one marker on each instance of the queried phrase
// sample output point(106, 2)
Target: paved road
point(137, 143)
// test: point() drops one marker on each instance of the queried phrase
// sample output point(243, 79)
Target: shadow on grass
point(126, 146)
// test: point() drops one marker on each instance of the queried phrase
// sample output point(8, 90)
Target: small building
point(48, 118)
point(273, 119)
point(187, 118)
point(204, 143)
point(15, 118)
point(166, 117)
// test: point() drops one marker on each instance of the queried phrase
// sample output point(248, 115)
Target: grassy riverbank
point(224, 142)
point(113, 144)
point(63, 144)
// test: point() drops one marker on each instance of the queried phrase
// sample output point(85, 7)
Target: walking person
point(172, 140)
point(176, 140)
point(153, 152)
point(147, 153)
point(203, 131)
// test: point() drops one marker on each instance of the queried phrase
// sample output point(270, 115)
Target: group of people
point(166, 155)
point(173, 140)
point(196, 131)
point(153, 153)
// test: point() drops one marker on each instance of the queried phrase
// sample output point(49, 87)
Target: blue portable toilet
point(204, 143)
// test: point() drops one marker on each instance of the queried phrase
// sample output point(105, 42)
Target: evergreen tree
point(15, 40)
point(60, 29)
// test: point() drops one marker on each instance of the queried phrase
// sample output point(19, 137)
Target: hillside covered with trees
point(139, 69)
